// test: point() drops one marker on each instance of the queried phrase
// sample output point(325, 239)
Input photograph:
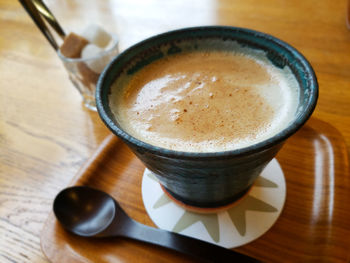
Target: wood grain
point(313, 225)
point(46, 134)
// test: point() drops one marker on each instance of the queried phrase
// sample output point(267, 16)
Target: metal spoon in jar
point(89, 212)
point(38, 11)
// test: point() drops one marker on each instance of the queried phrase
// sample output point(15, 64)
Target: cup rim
point(279, 137)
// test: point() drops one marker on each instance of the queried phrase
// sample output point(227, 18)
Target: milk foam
point(207, 101)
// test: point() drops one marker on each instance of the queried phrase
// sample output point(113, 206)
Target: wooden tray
point(314, 224)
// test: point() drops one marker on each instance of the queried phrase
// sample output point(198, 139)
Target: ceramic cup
point(209, 179)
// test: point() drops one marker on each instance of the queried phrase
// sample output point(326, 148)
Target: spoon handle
point(194, 247)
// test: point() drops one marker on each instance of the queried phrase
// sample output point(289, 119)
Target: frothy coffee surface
point(206, 101)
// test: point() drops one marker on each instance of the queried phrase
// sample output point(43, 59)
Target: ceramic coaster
point(240, 224)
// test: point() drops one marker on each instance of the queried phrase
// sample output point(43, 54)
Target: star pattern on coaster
point(249, 203)
point(210, 222)
point(236, 213)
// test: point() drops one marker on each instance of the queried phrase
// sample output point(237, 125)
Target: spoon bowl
point(93, 210)
point(89, 212)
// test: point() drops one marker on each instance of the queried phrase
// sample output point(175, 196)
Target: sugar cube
point(99, 62)
point(97, 35)
point(73, 45)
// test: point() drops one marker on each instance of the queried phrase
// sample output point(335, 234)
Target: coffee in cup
point(207, 101)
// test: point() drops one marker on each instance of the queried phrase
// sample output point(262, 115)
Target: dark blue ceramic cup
point(209, 179)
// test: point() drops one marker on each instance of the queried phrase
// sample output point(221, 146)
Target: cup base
point(206, 208)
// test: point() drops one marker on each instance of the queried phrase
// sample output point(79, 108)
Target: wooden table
point(45, 132)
